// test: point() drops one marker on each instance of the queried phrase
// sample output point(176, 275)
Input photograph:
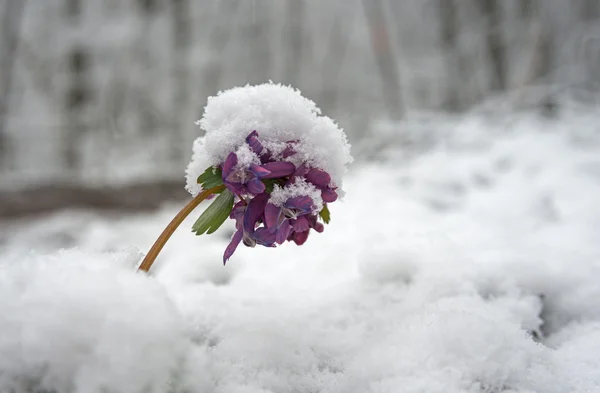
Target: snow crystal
point(246, 156)
point(279, 114)
point(300, 187)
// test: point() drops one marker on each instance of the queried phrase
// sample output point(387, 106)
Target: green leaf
point(215, 215)
point(270, 184)
point(325, 215)
point(211, 177)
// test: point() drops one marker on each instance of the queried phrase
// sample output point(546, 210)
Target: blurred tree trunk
point(542, 52)
point(293, 41)
point(218, 40)
point(494, 44)
point(75, 102)
point(334, 58)
point(12, 18)
point(77, 95)
point(527, 8)
point(454, 59)
point(147, 112)
point(181, 78)
point(590, 14)
point(590, 10)
point(148, 6)
point(384, 57)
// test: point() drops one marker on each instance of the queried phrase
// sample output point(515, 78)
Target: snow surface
point(279, 114)
point(471, 268)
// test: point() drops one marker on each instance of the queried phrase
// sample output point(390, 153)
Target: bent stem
point(175, 222)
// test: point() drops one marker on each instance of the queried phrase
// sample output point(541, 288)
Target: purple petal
point(255, 186)
point(237, 213)
point(319, 227)
point(266, 157)
point(231, 247)
point(283, 232)
point(303, 203)
point(264, 237)
point(255, 145)
point(288, 151)
point(254, 211)
point(300, 237)
point(301, 224)
point(319, 178)
point(229, 164)
point(301, 170)
point(236, 188)
point(259, 171)
point(279, 169)
point(273, 217)
point(312, 221)
point(328, 195)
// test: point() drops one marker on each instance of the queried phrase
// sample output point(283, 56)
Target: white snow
point(86, 322)
point(299, 187)
point(471, 268)
point(246, 156)
point(279, 114)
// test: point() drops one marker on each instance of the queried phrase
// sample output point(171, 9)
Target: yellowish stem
point(175, 222)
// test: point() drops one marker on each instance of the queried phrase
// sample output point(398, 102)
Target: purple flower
point(254, 143)
point(248, 180)
point(321, 180)
point(256, 220)
point(301, 228)
point(240, 180)
point(277, 218)
point(246, 218)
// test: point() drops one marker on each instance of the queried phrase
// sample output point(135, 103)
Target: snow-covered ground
point(474, 266)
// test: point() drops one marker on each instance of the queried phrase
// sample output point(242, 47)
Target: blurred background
point(98, 98)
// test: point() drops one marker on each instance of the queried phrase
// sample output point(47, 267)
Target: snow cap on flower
point(290, 127)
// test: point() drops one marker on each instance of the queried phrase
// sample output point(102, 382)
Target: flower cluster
point(278, 201)
point(275, 198)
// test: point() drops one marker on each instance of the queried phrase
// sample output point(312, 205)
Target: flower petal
point(259, 171)
point(264, 237)
point(288, 151)
point(232, 246)
point(312, 221)
point(302, 203)
point(300, 237)
point(266, 157)
point(254, 211)
point(273, 217)
point(318, 177)
point(301, 224)
point(229, 164)
point(237, 213)
point(236, 188)
point(255, 186)
point(319, 227)
point(328, 195)
point(283, 232)
point(301, 170)
point(279, 169)
point(255, 145)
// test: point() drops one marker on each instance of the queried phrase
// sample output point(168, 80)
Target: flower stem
point(175, 222)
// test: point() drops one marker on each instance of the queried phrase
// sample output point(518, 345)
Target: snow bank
point(279, 114)
point(472, 268)
point(85, 322)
